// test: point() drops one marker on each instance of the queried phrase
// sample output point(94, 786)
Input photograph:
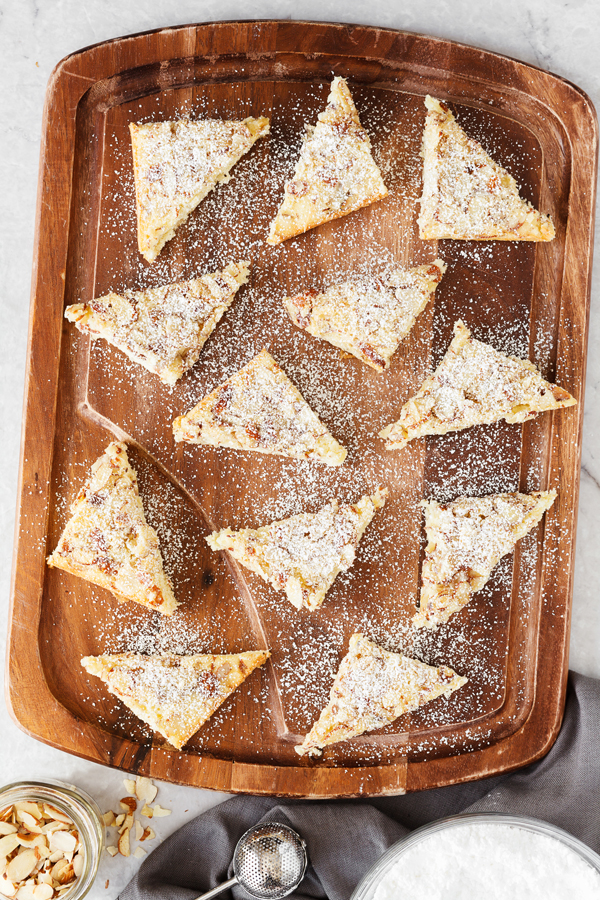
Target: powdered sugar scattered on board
point(376, 596)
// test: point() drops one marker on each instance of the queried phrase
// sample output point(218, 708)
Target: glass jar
point(79, 807)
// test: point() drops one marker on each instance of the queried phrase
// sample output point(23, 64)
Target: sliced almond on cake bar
point(474, 384)
point(372, 688)
point(174, 695)
point(303, 554)
point(335, 174)
point(260, 410)
point(466, 195)
point(465, 541)
point(164, 328)
point(107, 540)
point(176, 164)
point(368, 318)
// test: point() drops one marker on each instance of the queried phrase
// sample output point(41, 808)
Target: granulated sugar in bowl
point(491, 856)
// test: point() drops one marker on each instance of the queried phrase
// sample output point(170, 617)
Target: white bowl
point(376, 874)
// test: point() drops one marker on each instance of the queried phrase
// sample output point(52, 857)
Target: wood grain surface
point(532, 300)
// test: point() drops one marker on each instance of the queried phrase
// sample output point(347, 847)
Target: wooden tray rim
point(39, 391)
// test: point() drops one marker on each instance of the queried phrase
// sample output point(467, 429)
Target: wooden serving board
point(527, 299)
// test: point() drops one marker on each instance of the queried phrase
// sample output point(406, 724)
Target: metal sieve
point(269, 862)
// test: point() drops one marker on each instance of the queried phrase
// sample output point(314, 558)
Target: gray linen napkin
point(344, 839)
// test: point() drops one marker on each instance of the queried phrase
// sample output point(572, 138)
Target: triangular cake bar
point(164, 328)
point(368, 319)
point(372, 688)
point(465, 540)
point(304, 554)
point(474, 385)
point(335, 174)
point(107, 540)
point(174, 695)
point(176, 164)
point(466, 195)
point(259, 409)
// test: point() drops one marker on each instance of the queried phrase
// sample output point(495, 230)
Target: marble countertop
point(558, 35)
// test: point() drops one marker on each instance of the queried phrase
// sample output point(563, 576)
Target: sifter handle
point(218, 889)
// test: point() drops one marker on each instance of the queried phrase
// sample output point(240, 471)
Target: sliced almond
point(29, 807)
point(129, 804)
point(145, 789)
point(147, 811)
point(7, 828)
point(25, 892)
point(8, 843)
point(123, 843)
point(7, 887)
point(59, 866)
point(129, 785)
point(159, 811)
point(63, 840)
point(43, 891)
point(56, 856)
point(51, 812)
point(66, 874)
point(6, 813)
point(112, 850)
point(44, 878)
point(21, 866)
point(138, 830)
point(139, 852)
point(27, 839)
point(120, 819)
point(148, 834)
point(78, 863)
point(109, 818)
point(49, 827)
point(127, 824)
point(30, 822)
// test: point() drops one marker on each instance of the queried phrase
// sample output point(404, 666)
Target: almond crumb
point(158, 811)
point(145, 789)
point(123, 845)
point(129, 804)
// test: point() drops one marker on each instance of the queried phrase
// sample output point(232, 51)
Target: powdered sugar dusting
point(377, 595)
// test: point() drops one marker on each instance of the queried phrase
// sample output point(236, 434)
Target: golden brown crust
point(466, 195)
point(372, 688)
point(175, 695)
point(474, 385)
point(303, 554)
point(107, 540)
point(176, 164)
point(465, 541)
point(335, 174)
point(259, 409)
point(368, 319)
point(165, 328)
